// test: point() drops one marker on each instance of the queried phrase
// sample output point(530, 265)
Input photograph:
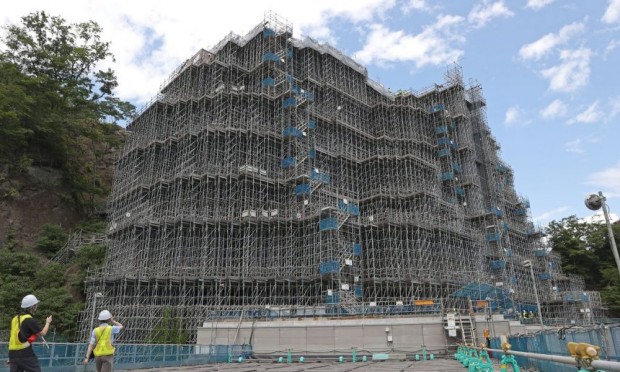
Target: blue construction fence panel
point(492, 237)
point(329, 267)
point(358, 291)
point(457, 168)
point(552, 343)
point(441, 129)
point(447, 176)
point(68, 357)
point(333, 298)
point(312, 124)
point(312, 153)
point(498, 264)
point(268, 33)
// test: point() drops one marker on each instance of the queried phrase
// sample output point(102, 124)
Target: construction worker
point(102, 342)
point(24, 331)
point(487, 337)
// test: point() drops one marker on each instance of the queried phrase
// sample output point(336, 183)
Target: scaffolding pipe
point(606, 365)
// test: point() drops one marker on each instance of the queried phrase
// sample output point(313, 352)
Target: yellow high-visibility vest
point(103, 336)
point(14, 343)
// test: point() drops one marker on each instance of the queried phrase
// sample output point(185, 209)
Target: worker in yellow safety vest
point(102, 342)
point(24, 331)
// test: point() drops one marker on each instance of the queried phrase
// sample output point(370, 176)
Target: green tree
point(585, 250)
point(51, 240)
point(169, 330)
point(54, 101)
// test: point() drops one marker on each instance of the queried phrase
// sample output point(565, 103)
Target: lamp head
point(594, 202)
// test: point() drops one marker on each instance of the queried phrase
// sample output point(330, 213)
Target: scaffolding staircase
point(460, 326)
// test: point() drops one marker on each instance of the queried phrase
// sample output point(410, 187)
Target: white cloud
point(433, 46)
point(611, 46)
point(612, 13)
point(418, 5)
point(615, 106)
point(607, 180)
point(513, 115)
point(555, 109)
point(572, 73)
point(545, 44)
point(182, 28)
point(590, 115)
point(485, 11)
point(548, 215)
point(538, 4)
point(574, 146)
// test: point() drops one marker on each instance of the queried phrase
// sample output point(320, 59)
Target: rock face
point(39, 195)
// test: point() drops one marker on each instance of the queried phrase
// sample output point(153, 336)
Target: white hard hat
point(105, 315)
point(29, 301)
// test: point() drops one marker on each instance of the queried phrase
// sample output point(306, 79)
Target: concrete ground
point(437, 365)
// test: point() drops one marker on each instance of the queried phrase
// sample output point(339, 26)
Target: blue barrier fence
point(68, 357)
point(555, 343)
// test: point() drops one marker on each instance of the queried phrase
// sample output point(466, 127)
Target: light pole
point(528, 263)
point(595, 202)
point(92, 318)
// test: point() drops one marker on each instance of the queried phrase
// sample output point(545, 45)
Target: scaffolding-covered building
point(271, 177)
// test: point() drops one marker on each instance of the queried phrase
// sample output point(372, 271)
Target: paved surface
point(437, 365)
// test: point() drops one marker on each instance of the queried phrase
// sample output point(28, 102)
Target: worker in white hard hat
point(24, 331)
point(102, 342)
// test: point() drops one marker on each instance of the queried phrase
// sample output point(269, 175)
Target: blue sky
point(549, 68)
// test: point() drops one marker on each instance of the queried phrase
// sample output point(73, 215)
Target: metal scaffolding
point(272, 173)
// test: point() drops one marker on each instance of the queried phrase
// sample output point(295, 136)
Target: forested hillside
point(59, 139)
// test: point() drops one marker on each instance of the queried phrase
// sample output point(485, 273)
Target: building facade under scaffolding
point(271, 173)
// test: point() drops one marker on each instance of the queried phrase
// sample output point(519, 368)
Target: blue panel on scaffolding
point(354, 209)
point(295, 89)
point(271, 57)
point(288, 77)
point(268, 82)
point(508, 252)
point(496, 211)
point(492, 237)
point(544, 276)
point(505, 227)
point(514, 280)
point(329, 267)
point(436, 108)
point(444, 141)
point(312, 153)
point(443, 152)
point(327, 224)
point(498, 264)
point(441, 130)
point(292, 132)
point(457, 168)
point(540, 252)
point(289, 53)
point(357, 290)
point(319, 177)
point(302, 189)
point(289, 162)
point(357, 249)
point(520, 212)
point(502, 168)
point(268, 33)
point(446, 176)
point(332, 299)
point(459, 191)
point(311, 124)
point(288, 102)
